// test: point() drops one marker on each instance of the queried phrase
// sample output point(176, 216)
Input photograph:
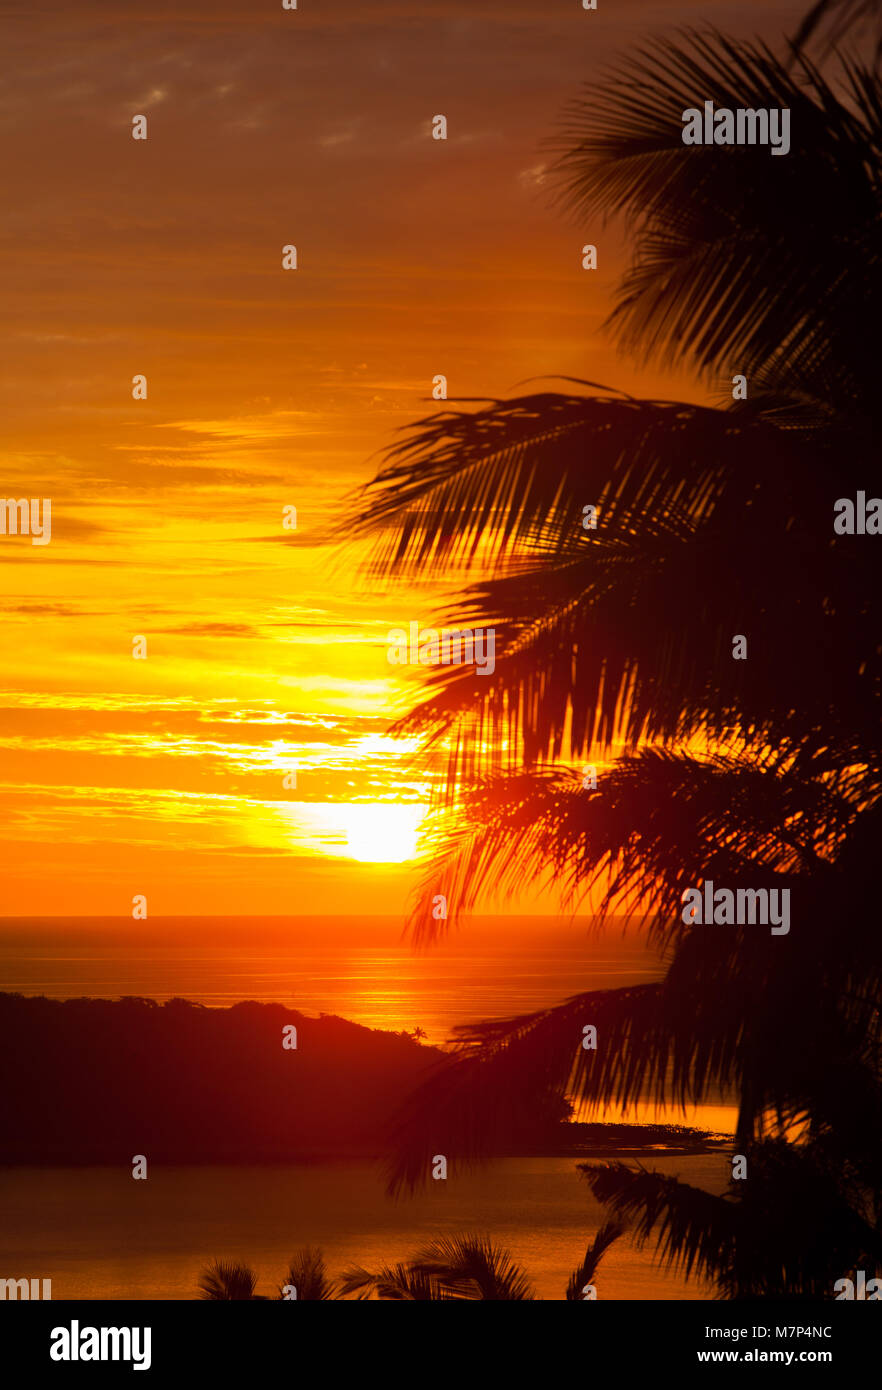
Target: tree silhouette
point(834, 22)
point(469, 1267)
point(472, 1267)
point(308, 1276)
point(609, 1232)
point(227, 1281)
point(615, 643)
point(750, 1242)
point(449, 1268)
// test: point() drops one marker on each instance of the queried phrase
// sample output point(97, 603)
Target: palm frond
point(695, 1230)
point(831, 23)
point(307, 1273)
point(476, 1097)
point(658, 822)
point(586, 1273)
point(471, 1266)
point(483, 484)
point(749, 1242)
point(227, 1280)
point(722, 272)
point(398, 1283)
point(770, 1018)
point(587, 652)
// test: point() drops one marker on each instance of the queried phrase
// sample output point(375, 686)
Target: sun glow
point(381, 832)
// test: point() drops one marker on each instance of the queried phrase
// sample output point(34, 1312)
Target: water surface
point(97, 1233)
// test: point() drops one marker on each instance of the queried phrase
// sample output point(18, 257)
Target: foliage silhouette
point(615, 644)
point(449, 1268)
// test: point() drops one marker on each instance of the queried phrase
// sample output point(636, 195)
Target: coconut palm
point(449, 1268)
point(616, 642)
point(748, 1241)
point(397, 1283)
point(586, 1273)
point(453, 1268)
point(597, 651)
point(227, 1280)
point(307, 1275)
point(472, 1267)
point(834, 22)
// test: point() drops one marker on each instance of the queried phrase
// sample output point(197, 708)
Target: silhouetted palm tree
point(587, 1271)
point(752, 1242)
point(835, 22)
point(448, 1268)
point(472, 1267)
point(707, 516)
point(469, 1267)
point(307, 1274)
point(711, 523)
point(397, 1283)
point(227, 1280)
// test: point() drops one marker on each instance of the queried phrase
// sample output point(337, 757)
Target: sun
point(370, 832)
point(381, 832)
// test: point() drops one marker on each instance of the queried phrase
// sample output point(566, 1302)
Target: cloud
point(52, 610)
point(277, 424)
point(152, 474)
point(209, 630)
point(301, 540)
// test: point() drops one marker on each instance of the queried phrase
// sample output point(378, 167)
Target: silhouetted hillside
point(97, 1081)
point(90, 1080)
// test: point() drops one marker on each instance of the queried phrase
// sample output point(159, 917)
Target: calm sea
point(359, 968)
point(97, 1234)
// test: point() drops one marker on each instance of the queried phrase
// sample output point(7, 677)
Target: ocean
point(359, 968)
point(97, 1234)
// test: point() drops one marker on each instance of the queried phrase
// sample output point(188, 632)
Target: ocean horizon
point(358, 968)
point(97, 1244)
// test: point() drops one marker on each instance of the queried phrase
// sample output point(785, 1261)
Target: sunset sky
point(266, 388)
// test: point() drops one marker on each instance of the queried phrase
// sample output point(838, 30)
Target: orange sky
point(265, 389)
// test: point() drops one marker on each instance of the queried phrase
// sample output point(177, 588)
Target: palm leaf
point(723, 275)
point(659, 822)
point(750, 1242)
point(833, 21)
point(587, 650)
point(586, 1273)
point(695, 1231)
point(393, 1283)
point(465, 484)
point(472, 1266)
point(770, 1019)
point(308, 1275)
point(227, 1280)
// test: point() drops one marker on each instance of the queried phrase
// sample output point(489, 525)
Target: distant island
point(93, 1081)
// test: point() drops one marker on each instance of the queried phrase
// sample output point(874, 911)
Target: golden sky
point(266, 389)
